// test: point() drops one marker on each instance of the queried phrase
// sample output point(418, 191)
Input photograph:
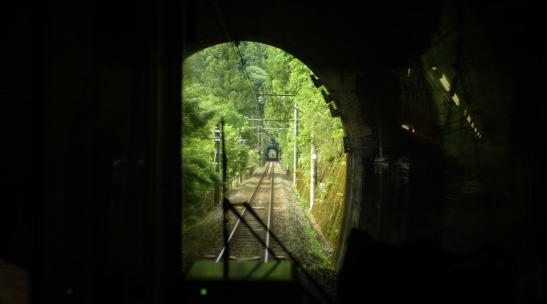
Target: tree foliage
point(213, 89)
point(219, 83)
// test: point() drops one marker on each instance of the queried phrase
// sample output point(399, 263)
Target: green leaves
point(214, 88)
point(217, 84)
point(258, 75)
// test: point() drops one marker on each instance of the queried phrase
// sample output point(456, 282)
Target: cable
point(235, 44)
point(238, 52)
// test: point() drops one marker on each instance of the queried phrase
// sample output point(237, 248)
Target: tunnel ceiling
point(323, 36)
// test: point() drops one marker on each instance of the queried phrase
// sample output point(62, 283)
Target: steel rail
point(267, 249)
point(242, 213)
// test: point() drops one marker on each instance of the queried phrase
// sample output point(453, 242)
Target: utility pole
point(242, 142)
point(313, 175)
point(295, 150)
point(258, 148)
point(216, 190)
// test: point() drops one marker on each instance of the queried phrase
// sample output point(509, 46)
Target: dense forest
point(255, 88)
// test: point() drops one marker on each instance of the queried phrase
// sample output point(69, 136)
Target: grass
point(312, 236)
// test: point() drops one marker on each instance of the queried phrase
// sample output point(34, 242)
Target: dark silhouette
point(420, 272)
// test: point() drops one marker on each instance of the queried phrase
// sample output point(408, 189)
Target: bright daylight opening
point(256, 115)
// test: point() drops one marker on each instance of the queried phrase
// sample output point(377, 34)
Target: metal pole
point(313, 159)
point(225, 203)
point(267, 250)
point(295, 150)
point(216, 189)
point(262, 149)
point(258, 143)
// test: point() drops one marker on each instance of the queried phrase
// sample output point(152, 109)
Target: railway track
point(243, 239)
point(248, 234)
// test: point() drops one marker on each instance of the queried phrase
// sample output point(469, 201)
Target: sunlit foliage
point(219, 83)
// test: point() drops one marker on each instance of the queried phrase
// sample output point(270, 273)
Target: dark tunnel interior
point(442, 103)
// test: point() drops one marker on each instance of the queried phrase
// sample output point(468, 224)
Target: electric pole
point(216, 191)
point(295, 150)
point(313, 175)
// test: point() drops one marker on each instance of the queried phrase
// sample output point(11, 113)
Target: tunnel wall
point(441, 183)
point(461, 192)
point(91, 117)
point(491, 189)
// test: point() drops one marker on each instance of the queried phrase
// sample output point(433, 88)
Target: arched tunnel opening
point(244, 103)
point(272, 154)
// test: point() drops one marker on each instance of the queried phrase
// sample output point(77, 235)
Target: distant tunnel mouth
point(272, 153)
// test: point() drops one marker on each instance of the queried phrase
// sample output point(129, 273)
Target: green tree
point(224, 82)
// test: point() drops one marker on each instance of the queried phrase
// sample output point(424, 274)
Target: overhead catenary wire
point(226, 204)
point(235, 44)
point(244, 66)
point(242, 61)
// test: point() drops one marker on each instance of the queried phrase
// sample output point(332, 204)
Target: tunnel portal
point(272, 152)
